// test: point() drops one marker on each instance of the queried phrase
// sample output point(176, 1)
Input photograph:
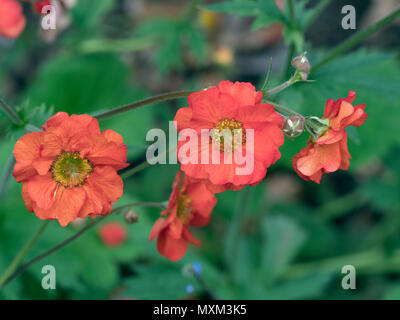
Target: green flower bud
point(316, 127)
point(293, 126)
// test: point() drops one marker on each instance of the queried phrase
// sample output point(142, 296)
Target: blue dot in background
point(197, 267)
point(189, 288)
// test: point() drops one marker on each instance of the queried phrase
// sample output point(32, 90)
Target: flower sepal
point(317, 127)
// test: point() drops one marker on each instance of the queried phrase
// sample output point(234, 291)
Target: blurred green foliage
point(282, 239)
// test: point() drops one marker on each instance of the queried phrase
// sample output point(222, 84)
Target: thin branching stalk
point(143, 102)
point(282, 109)
point(12, 272)
point(292, 48)
point(5, 177)
point(21, 255)
point(10, 111)
point(355, 39)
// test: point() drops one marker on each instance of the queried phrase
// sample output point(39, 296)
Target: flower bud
point(293, 126)
point(304, 76)
point(131, 216)
point(301, 63)
point(316, 126)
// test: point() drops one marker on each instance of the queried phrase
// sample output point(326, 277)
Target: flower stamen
point(184, 210)
point(229, 132)
point(71, 170)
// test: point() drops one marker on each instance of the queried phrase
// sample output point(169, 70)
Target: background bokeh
point(282, 239)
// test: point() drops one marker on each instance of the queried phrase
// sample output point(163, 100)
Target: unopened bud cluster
point(302, 65)
point(293, 126)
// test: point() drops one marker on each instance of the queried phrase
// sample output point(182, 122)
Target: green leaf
point(197, 44)
point(282, 240)
point(393, 292)
point(294, 36)
point(88, 13)
point(97, 267)
point(262, 20)
point(240, 7)
point(382, 195)
point(308, 287)
point(264, 11)
point(77, 84)
point(157, 282)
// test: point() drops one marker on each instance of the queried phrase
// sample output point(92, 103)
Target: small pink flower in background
point(113, 234)
point(280, 4)
point(12, 20)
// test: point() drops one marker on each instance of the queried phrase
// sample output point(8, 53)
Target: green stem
point(342, 205)
point(283, 109)
point(21, 255)
point(293, 79)
point(180, 94)
point(288, 61)
point(315, 13)
point(12, 272)
point(6, 175)
point(264, 87)
point(158, 98)
point(291, 14)
point(374, 260)
point(355, 39)
point(143, 165)
point(136, 169)
point(291, 52)
point(10, 111)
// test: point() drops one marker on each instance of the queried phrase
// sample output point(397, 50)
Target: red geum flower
point(69, 170)
point(190, 204)
point(12, 20)
point(113, 234)
point(329, 152)
point(231, 106)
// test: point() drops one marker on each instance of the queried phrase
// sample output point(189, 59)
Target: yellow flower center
point(184, 210)
point(229, 132)
point(70, 170)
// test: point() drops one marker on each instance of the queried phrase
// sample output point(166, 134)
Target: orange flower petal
point(26, 197)
point(243, 92)
point(26, 150)
point(42, 190)
point(67, 204)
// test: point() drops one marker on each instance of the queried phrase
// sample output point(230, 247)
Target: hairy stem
point(10, 111)
point(316, 11)
point(143, 102)
point(292, 48)
point(136, 169)
point(6, 175)
point(282, 109)
point(355, 39)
